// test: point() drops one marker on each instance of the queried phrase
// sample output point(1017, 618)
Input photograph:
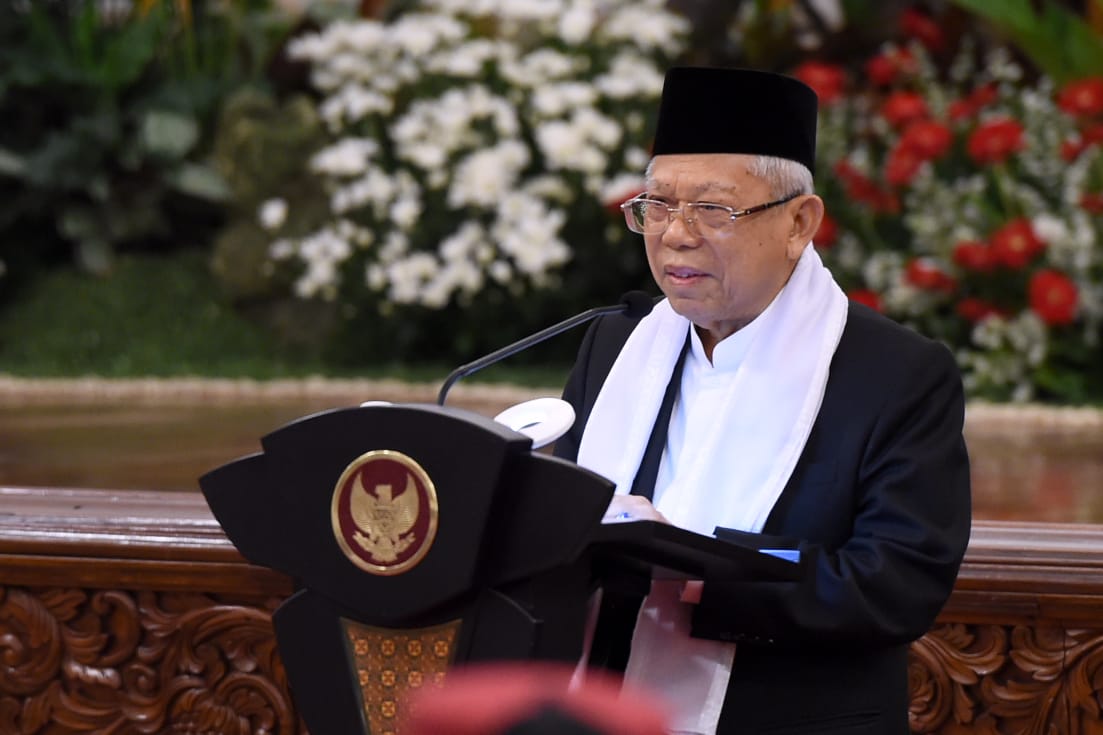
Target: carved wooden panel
point(999, 680)
point(113, 661)
point(132, 614)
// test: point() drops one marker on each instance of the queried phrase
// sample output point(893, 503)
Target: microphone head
point(637, 304)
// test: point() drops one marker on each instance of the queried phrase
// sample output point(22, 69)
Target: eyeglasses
point(652, 217)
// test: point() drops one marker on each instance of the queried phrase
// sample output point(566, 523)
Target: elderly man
point(757, 404)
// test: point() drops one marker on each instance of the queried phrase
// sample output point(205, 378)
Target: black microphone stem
point(475, 365)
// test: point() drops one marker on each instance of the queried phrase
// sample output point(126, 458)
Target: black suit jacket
point(879, 505)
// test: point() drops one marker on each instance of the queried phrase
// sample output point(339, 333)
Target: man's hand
point(632, 508)
point(638, 508)
point(691, 591)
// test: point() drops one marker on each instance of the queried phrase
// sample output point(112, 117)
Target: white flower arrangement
point(466, 137)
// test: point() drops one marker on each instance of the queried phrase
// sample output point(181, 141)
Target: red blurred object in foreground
point(530, 699)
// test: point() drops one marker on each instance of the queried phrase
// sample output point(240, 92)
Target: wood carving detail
point(946, 665)
point(141, 663)
point(999, 680)
point(136, 663)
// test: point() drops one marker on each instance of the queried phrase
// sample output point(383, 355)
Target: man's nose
point(679, 233)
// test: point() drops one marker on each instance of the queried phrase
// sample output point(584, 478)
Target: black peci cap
point(717, 110)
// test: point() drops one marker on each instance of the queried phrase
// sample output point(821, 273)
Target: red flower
point(959, 109)
point(1053, 297)
point(985, 95)
point(886, 68)
point(1092, 202)
point(1092, 134)
point(1015, 244)
point(995, 141)
point(972, 309)
point(980, 98)
point(867, 297)
point(925, 274)
point(861, 188)
point(881, 70)
point(1071, 149)
point(827, 233)
point(1082, 98)
point(845, 170)
point(973, 255)
point(827, 80)
point(902, 165)
point(904, 107)
point(922, 28)
point(927, 138)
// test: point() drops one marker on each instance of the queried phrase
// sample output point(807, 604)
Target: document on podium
point(668, 552)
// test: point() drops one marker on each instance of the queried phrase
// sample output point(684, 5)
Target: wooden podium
point(422, 536)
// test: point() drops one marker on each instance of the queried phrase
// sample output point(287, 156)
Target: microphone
point(634, 305)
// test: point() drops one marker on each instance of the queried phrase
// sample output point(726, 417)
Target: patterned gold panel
point(391, 661)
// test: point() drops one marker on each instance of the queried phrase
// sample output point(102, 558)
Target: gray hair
point(782, 175)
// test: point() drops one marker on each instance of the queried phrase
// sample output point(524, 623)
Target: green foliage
point(106, 124)
point(1057, 40)
point(165, 316)
point(760, 34)
point(261, 148)
point(153, 315)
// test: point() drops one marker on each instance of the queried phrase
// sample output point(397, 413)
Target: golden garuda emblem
point(384, 512)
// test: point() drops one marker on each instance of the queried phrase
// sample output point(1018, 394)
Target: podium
point(420, 537)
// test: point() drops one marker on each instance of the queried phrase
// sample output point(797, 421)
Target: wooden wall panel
point(132, 613)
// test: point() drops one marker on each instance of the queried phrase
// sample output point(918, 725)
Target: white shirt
point(700, 399)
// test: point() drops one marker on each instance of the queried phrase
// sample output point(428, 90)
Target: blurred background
point(260, 188)
point(264, 190)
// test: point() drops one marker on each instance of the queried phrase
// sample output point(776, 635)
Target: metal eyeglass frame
point(733, 213)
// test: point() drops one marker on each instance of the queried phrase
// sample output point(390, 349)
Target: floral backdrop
point(475, 150)
point(966, 202)
point(412, 181)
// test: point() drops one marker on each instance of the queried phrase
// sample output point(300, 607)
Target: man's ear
point(807, 217)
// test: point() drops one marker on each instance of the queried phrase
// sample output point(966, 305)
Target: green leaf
point(82, 32)
point(1057, 40)
point(127, 55)
point(1084, 51)
point(200, 181)
point(168, 134)
point(1064, 385)
point(44, 57)
point(1017, 14)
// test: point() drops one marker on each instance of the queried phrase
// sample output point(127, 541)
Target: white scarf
point(731, 481)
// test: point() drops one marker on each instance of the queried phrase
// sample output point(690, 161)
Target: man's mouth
point(684, 274)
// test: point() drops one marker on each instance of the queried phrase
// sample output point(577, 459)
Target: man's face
point(721, 281)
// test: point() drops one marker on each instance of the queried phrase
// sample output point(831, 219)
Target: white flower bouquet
point(476, 148)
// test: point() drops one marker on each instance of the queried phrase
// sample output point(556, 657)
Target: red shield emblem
point(384, 512)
